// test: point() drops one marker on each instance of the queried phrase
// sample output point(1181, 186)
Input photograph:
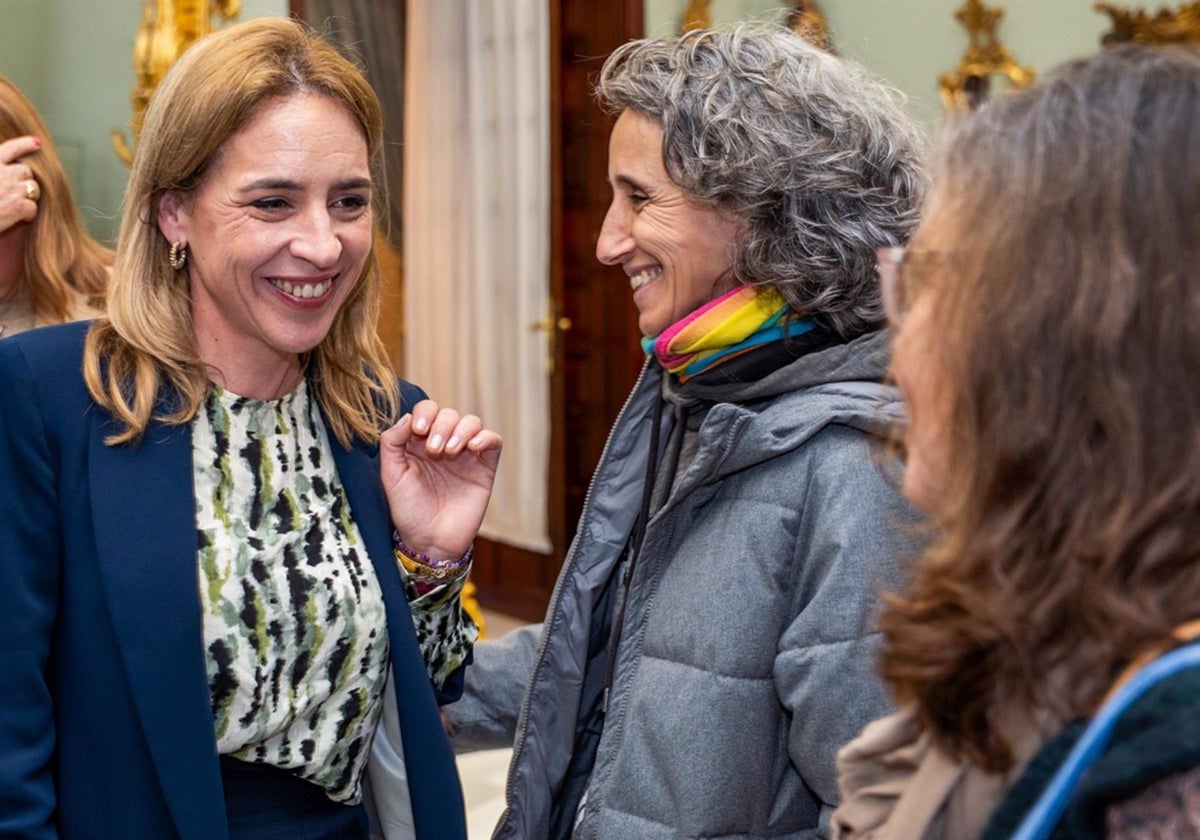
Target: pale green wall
point(74, 60)
point(912, 42)
point(21, 42)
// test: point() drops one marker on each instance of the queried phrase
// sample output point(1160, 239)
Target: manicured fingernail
point(404, 419)
point(421, 425)
point(37, 141)
point(452, 443)
point(435, 442)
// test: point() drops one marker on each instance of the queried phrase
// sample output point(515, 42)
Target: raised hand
point(437, 470)
point(19, 191)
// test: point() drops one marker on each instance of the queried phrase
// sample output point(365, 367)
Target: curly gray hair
point(817, 159)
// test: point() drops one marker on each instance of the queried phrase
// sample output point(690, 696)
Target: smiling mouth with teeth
point(643, 277)
point(303, 291)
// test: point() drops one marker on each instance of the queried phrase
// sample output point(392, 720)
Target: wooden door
point(598, 357)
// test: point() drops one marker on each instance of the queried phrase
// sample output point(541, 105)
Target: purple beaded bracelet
point(425, 568)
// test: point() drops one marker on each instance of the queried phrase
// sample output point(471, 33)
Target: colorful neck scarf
point(740, 320)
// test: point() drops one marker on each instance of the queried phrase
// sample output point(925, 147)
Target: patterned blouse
point(295, 629)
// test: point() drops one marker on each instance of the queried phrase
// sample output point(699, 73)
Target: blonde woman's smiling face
point(277, 234)
point(676, 252)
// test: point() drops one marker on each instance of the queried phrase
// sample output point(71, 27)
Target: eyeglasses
point(900, 271)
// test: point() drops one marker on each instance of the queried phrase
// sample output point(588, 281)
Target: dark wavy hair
point(816, 158)
point(1067, 343)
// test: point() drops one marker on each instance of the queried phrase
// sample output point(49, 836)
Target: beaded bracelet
point(426, 569)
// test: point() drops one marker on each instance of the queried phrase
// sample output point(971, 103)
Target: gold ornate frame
point(808, 21)
point(969, 85)
point(167, 28)
point(1166, 26)
point(697, 15)
point(803, 17)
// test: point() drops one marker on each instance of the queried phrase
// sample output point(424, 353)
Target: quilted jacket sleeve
point(486, 715)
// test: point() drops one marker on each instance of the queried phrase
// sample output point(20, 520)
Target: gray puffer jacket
point(747, 648)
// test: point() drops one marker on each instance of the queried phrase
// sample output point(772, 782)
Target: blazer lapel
point(143, 504)
point(432, 774)
point(144, 507)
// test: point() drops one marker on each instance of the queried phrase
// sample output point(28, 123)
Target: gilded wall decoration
point(806, 19)
point(803, 17)
point(1166, 26)
point(166, 30)
point(697, 15)
point(969, 85)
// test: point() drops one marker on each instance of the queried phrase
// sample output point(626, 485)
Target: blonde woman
point(211, 521)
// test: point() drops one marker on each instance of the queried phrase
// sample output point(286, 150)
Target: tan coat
point(896, 784)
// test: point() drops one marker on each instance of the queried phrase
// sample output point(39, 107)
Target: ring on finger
point(31, 189)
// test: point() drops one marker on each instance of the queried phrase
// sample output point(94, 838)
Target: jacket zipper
point(552, 610)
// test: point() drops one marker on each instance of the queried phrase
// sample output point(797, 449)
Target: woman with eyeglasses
point(1048, 339)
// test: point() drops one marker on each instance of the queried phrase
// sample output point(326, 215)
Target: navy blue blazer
point(105, 724)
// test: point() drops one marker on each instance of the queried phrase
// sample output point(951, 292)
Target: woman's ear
point(173, 217)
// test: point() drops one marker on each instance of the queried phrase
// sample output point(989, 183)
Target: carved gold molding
point(167, 28)
point(808, 21)
point(803, 17)
point(1166, 26)
point(697, 15)
point(968, 86)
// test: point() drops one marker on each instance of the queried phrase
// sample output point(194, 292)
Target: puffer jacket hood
point(779, 411)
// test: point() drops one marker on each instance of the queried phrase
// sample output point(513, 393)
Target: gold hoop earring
point(178, 256)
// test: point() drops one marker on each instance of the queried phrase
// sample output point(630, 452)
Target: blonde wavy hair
point(147, 342)
point(60, 256)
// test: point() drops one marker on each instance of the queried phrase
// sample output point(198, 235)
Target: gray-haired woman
point(710, 644)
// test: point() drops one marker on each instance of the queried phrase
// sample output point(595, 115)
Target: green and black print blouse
point(295, 631)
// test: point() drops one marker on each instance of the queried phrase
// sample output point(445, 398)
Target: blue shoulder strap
point(1045, 813)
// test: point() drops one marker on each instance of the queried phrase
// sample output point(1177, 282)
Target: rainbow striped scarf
point(740, 320)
